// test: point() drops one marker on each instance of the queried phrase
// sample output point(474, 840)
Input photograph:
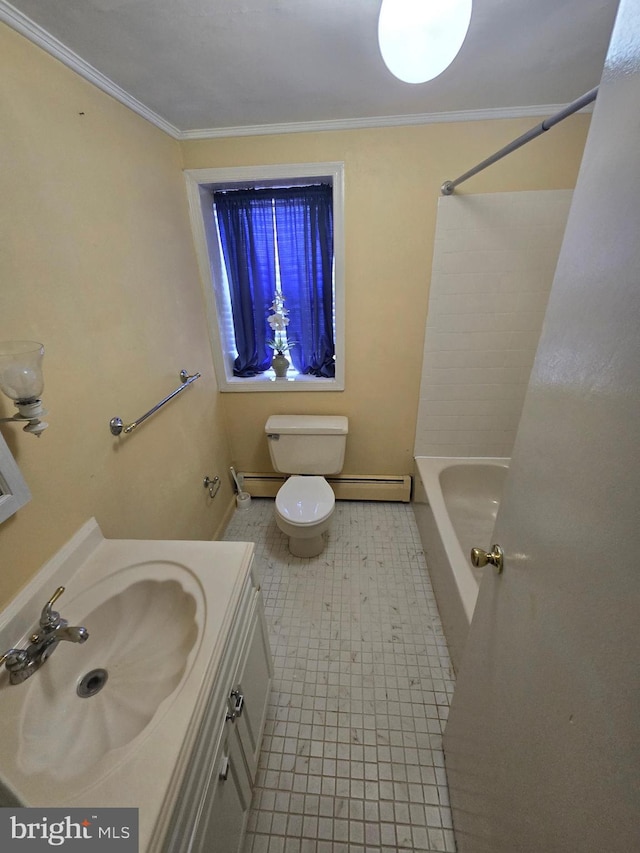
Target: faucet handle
point(14, 659)
point(48, 617)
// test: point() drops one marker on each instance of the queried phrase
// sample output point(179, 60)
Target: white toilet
point(308, 447)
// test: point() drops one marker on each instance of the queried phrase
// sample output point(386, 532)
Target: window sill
point(268, 383)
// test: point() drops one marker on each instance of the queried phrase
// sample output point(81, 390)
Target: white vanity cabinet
point(251, 685)
point(221, 822)
point(195, 609)
point(213, 805)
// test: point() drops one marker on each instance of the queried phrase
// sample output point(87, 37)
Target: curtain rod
point(449, 186)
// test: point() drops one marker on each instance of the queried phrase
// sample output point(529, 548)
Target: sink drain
point(92, 683)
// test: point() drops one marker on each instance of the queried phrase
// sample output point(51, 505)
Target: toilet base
point(306, 540)
point(307, 547)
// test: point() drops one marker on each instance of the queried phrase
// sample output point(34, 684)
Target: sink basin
point(78, 716)
point(113, 721)
point(101, 695)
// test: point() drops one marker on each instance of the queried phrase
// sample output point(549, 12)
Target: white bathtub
point(455, 503)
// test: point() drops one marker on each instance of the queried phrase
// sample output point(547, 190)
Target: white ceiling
point(220, 64)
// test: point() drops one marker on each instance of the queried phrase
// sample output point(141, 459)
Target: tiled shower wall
point(493, 265)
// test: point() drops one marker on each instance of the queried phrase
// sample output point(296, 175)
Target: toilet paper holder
point(213, 484)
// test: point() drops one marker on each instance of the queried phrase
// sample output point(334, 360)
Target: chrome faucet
point(22, 663)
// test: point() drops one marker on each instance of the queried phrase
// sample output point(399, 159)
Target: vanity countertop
point(146, 770)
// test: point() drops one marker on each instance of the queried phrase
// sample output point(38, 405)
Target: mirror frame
point(14, 490)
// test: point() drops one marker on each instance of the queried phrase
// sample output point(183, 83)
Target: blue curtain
point(304, 227)
point(245, 220)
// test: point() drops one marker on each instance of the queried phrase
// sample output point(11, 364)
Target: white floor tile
point(352, 754)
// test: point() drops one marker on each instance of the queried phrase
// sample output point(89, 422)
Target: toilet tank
point(307, 444)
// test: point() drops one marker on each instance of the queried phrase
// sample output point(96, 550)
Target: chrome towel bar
point(115, 424)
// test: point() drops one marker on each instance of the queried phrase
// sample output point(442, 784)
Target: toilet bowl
point(307, 447)
point(304, 506)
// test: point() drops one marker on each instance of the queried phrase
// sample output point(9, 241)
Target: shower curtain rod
point(449, 186)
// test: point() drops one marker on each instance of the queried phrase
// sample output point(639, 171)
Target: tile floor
point(352, 756)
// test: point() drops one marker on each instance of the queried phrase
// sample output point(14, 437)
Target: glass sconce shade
point(21, 370)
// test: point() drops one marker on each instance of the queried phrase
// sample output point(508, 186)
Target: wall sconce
point(21, 380)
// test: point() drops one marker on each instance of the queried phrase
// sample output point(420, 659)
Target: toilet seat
point(304, 501)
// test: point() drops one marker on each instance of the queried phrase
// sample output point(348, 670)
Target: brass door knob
point(495, 557)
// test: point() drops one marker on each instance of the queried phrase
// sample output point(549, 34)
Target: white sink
point(157, 613)
point(102, 694)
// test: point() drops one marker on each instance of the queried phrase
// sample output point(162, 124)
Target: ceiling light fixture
point(420, 38)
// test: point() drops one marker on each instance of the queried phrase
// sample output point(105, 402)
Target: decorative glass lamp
point(21, 380)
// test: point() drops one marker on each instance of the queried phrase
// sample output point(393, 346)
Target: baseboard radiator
point(347, 487)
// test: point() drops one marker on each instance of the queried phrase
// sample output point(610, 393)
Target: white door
point(543, 739)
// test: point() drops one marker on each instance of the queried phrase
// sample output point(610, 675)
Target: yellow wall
point(392, 181)
point(98, 264)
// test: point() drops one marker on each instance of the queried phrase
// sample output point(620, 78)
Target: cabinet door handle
point(239, 702)
point(224, 768)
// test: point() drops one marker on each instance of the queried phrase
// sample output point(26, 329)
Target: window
point(264, 234)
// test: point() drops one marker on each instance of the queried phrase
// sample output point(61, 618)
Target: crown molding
point(375, 122)
point(36, 34)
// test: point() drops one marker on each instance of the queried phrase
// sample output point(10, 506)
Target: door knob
point(480, 558)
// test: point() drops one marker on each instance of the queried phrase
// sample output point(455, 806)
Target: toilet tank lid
point(308, 424)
